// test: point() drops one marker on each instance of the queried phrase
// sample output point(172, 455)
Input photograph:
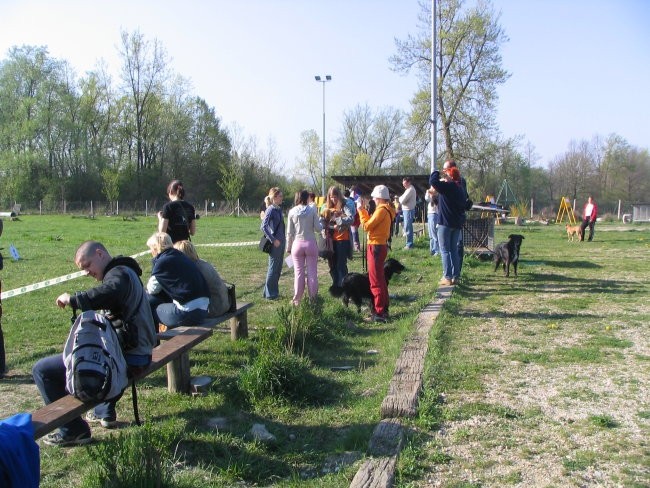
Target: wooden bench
point(238, 321)
point(174, 353)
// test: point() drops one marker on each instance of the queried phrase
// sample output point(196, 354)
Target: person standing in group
point(273, 229)
point(378, 229)
point(450, 163)
point(336, 219)
point(177, 217)
point(408, 201)
point(265, 204)
point(431, 197)
point(177, 292)
point(219, 301)
point(451, 217)
point(311, 201)
point(303, 223)
point(589, 215)
point(354, 225)
point(121, 293)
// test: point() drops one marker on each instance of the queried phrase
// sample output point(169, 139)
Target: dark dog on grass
point(507, 253)
point(356, 286)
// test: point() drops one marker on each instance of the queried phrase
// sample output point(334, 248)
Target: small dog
point(572, 230)
point(356, 286)
point(507, 253)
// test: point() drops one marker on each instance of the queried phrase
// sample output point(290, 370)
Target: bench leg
point(178, 374)
point(239, 326)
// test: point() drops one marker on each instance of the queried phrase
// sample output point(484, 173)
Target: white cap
point(380, 191)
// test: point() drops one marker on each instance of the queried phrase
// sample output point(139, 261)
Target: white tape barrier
point(62, 279)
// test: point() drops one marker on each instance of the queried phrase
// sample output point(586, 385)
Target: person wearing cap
point(451, 215)
point(378, 229)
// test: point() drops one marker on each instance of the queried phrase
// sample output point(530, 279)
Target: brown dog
point(572, 230)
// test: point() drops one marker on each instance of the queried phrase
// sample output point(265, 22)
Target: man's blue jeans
point(432, 223)
point(448, 239)
point(409, 215)
point(49, 376)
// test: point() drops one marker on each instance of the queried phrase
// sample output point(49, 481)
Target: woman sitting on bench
point(177, 292)
point(219, 302)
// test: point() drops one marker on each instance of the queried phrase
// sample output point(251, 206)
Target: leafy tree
point(111, 185)
point(468, 70)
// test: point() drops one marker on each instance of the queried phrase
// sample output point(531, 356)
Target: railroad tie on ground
point(401, 401)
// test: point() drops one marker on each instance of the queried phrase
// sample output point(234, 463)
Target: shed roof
point(365, 183)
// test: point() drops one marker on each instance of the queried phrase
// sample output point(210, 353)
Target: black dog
point(356, 286)
point(508, 253)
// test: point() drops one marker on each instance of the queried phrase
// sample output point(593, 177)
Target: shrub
point(142, 458)
point(276, 375)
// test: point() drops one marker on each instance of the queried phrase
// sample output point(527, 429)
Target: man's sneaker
point(445, 282)
point(107, 423)
point(379, 318)
point(58, 439)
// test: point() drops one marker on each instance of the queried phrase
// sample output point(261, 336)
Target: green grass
point(537, 380)
point(327, 412)
point(572, 325)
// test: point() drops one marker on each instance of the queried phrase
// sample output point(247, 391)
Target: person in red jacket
point(589, 215)
point(378, 228)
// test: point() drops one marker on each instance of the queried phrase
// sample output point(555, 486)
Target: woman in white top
point(301, 244)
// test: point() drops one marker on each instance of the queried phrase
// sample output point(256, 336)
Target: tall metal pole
point(323, 80)
point(322, 183)
point(434, 87)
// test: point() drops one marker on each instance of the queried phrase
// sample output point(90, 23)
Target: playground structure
point(565, 209)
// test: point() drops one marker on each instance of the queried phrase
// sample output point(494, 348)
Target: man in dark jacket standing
point(121, 293)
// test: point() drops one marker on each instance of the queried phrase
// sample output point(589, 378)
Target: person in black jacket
point(451, 214)
point(121, 293)
point(177, 217)
point(177, 291)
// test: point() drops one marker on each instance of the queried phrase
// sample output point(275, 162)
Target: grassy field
point(542, 380)
point(539, 380)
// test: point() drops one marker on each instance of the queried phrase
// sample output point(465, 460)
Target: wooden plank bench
point(174, 353)
point(238, 321)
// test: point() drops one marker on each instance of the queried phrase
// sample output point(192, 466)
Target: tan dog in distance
point(572, 230)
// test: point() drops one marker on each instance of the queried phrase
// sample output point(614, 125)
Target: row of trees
point(93, 138)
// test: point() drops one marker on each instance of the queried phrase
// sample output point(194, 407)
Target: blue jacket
point(19, 455)
point(179, 276)
point(451, 202)
point(273, 224)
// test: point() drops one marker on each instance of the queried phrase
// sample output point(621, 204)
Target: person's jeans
point(276, 258)
point(166, 312)
point(587, 223)
point(305, 260)
point(338, 262)
point(49, 376)
point(378, 287)
point(448, 240)
point(408, 226)
point(432, 224)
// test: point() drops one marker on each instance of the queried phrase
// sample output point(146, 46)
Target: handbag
point(325, 246)
point(265, 245)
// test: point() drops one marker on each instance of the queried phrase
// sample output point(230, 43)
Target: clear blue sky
point(579, 67)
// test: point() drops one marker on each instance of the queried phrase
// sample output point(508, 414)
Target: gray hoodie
point(303, 223)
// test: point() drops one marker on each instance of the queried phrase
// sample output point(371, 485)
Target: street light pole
point(323, 81)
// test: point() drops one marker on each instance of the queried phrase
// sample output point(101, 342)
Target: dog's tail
point(336, 291)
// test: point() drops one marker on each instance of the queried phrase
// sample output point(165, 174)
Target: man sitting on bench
point(121, 293)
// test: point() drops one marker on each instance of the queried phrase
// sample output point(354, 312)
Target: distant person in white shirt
point(407, 200)
point(589, 215)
